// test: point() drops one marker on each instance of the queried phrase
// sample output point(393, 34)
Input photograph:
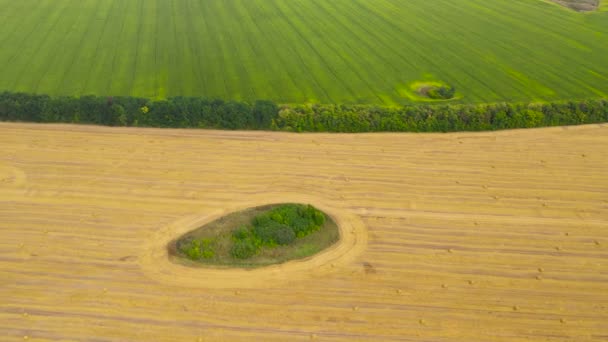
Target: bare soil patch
point(579, 5)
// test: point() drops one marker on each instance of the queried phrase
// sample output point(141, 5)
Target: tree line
point(439, 118)
point(197, 112)
point(176, 112)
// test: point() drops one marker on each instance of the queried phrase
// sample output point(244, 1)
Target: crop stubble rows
point(471, 236)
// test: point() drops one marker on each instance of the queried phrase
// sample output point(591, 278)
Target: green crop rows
point(298, 51)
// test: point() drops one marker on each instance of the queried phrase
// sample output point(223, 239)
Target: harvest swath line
point(321, 57)
point(360, 53)
point(265, 57)
point(26, 61)
point(244, 52)
point(5, 35)
point(115, 50)
point(46, 63)
point(157, 65)
point(553, 52)
point(247, 80)
point(123, 52)
point(143, 52)
point(369, 37)
point(200, 51)
point(166, 58)
point(330, 49)
point(493, 236)
point(96, 53)
point(79, 55)
point(303, 64)
point(415, 46)
point(383, 26)
point(18, 28)
point(471, 71)
point(175, 52)
point(239, 81)
point(533, 50)
point(222, 76)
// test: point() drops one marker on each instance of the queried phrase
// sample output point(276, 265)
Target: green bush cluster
point(438, 117)
point(197, 112)
point(279, 226)
point(441, 93)
point(302, 219)
point(243, 249)
point(274, 233)
point(196, 249)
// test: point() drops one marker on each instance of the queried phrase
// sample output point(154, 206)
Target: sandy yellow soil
point(447, 237)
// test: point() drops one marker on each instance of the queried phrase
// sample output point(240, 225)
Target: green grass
point(218, 238)
point(297, 51)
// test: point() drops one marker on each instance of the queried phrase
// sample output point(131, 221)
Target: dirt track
point(457, 237)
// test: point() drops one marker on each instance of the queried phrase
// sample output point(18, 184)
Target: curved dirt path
point(156, 264)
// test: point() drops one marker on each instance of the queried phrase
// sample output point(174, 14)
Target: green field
point(295, 51)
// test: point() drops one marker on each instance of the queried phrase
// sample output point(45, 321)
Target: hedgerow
point(194, 112)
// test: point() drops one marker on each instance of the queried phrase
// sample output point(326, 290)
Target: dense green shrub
point(207, 113)
point(313, 214)
point(274, 233)
point(279, 226)
point(284, 236)
point(196, 249)
point(302, 219)
point(441, 93)
point(242, 233)
point(245, 248)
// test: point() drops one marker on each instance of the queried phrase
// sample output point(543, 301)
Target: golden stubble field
point(448, 237)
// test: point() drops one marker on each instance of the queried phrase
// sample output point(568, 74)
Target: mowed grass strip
point(344, 51)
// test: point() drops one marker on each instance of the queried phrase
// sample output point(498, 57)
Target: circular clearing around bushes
point(155, 259)
point(257, 237)
point(429, 91)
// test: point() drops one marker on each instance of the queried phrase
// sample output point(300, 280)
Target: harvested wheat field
point(446, 237)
